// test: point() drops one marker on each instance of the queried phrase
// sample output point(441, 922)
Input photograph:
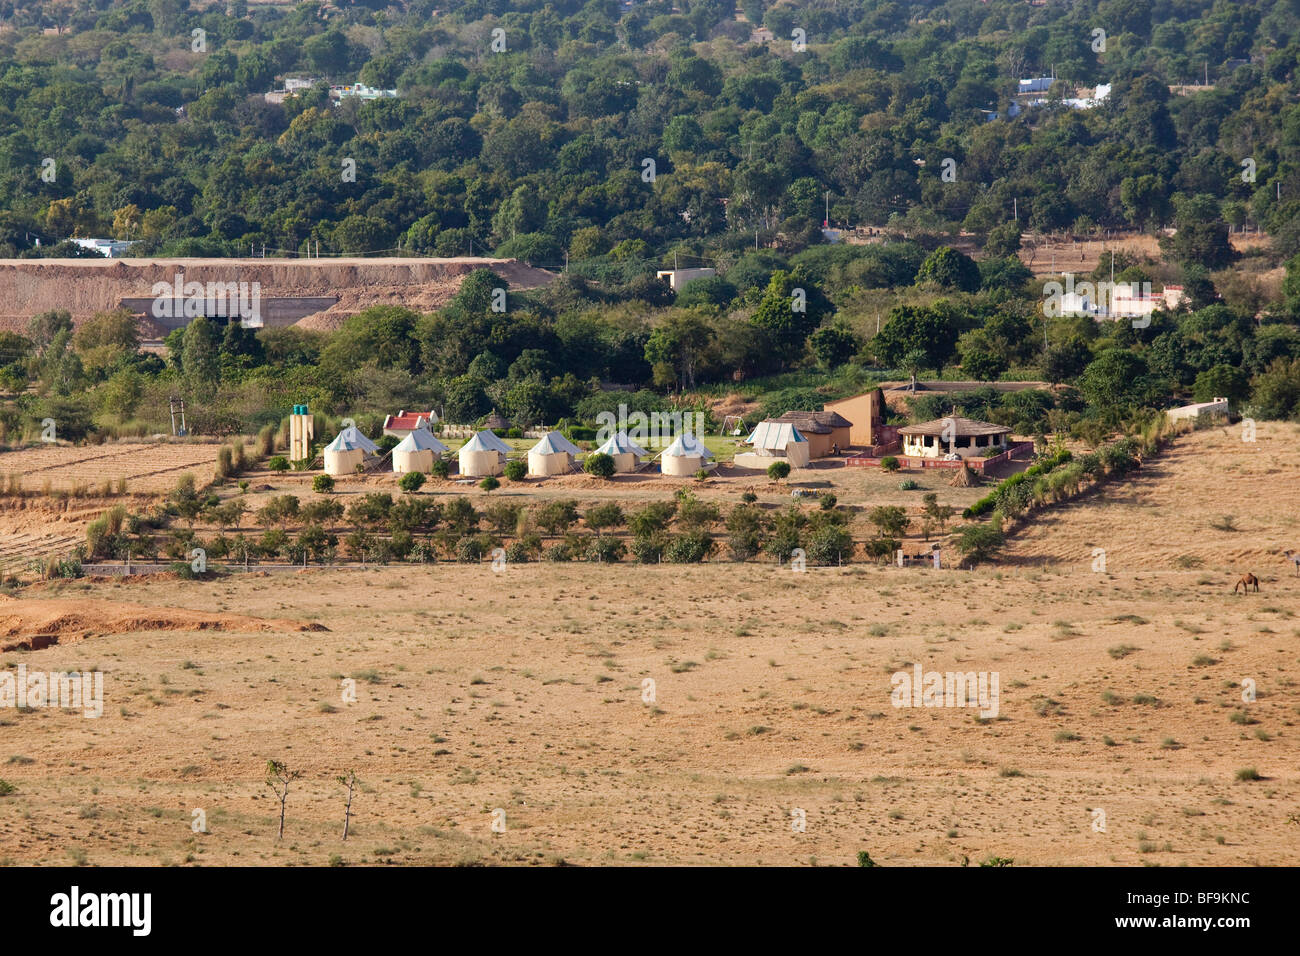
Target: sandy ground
point(87, 286)
point(146, 466)
point(1120, 731)
point(36, 623)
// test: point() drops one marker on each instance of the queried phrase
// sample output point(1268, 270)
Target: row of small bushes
point(13, 486)
point(990, 501)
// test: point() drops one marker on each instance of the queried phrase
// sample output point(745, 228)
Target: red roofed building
point(404, 422)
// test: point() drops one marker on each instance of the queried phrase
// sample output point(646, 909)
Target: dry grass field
point(522, 690)
point(146, 466)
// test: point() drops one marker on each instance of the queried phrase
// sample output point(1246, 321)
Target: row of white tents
point(485, 454)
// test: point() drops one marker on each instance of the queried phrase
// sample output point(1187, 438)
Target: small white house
point(1217, 408)
point(953, 437)
point(109, 248)
point(404, 422)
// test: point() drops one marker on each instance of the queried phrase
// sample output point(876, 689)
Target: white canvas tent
point(416, 451)
point(484, 454)
point(685, 456)
point(348, 450)
point(553, 455)
point(772, 441)
point(623, 450)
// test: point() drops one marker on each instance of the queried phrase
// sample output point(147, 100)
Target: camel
point(1246, 581)
point(1294, 558)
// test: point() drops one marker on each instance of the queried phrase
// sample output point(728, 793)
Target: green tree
point(201, 359)
point(947, 268)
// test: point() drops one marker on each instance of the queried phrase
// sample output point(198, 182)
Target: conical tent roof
point(342, 443)
point(351, 437)
point(420, 439)
point(486, 441)
point(554, 443)
point(687, 445)
point(620, 444)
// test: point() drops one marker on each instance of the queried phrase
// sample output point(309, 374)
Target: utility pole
point(1015, 209)
point(828, 209)
point(171, 407)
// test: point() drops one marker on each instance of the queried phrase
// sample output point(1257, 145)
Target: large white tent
point(553, 455)
point(685, 456)
point(623, 450)
point(484, 454)
point(772, 441)
point(416, 451)
point(348, 450)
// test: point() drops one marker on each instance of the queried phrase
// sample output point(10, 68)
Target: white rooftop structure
point(420, 439)
point(486, 440)
point(351, 438)
point(1036, 84)
point(620, 444)
point(774, 436)
point(110, 248)
point(687, 445)
point(554, 443)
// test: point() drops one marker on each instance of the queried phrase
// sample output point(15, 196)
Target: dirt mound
point(87, 286)
point(34, 623)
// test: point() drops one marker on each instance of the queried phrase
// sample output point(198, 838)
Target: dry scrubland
point(522, 690)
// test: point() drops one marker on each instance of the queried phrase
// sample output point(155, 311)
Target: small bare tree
point(348, 780)
point(278, 778)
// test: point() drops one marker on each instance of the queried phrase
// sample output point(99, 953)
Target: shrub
point(605, 549)
point(322, 484)
point(649, 548)
point(786, 533)
point(908, 484)
point(892, 520)
point(599, 465)
point(559, 552)
point(266, 441)
point(558, 516)
point(778, 470)
point(518, 553)
point(411, 482)
point(439, 469)
point(278, 463)
point(472, 548)
point(690, 547)
point(749, 497)
point(881, 548)
point(889, 463)
point(831, 544)
point(827, 501)
point(516, 469)
point(225, 463)
point(600, 517)
point(653, 518)
point(978, 542)
point(489, 483)
point(744, 532)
